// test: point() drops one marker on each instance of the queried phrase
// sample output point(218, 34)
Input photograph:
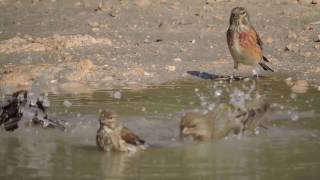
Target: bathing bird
point(112, 135)
point(224, 120)
point(25, 105)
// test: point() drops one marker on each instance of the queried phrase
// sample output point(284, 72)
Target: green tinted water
point(288, 149)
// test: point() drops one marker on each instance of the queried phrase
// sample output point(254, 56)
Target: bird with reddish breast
point(244, 42)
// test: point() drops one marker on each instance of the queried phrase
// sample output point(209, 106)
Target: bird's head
point(21, 96)
point(108, 119)
point(194, 125)
point(239, 16)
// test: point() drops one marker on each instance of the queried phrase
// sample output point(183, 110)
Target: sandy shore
point(77, 45)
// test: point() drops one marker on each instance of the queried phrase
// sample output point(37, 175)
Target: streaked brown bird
point(112, 135)
point(28, 106)
point(244, 42)
point(223, 121)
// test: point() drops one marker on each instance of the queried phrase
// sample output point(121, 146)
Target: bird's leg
point(233, 74)
point(255, 73)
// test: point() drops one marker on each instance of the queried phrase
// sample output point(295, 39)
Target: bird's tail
point(264, 65)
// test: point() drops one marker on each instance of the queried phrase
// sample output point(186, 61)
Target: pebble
point(289, 82)
point(308, 1)
point(147, 74)
point(317, 39)
point(142, 3)
point(292, 35)
point(292, 47)
point(93, 24)
point(171, 68)
point(307, 54)
point(107, 78)
point(315, 23)
point(269, 40)
point(53, 81)
point(77, 4)
point(300, 86)
point(95, 29)
point(177, 59)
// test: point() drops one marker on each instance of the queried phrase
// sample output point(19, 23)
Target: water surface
point(288, 149)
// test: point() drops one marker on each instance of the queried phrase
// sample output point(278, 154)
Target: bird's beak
point(185, 131)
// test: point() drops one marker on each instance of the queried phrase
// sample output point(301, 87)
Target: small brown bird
point(112, 135)
point(20, 106)
point(222, 121)
point(244, 42)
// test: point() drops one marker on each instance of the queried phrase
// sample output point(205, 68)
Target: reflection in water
point(287, 150)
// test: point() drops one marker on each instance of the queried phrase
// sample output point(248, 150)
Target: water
point(288, 149)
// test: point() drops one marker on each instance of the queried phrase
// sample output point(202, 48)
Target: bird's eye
point(243, 13)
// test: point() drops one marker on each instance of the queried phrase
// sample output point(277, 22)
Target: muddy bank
point(77, 46)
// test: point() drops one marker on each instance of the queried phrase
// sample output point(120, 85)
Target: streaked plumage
point(112, 135)
point(223, 120)
point(244, 42)
point(21, 106)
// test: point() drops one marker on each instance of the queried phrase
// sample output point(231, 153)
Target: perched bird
point(112, 135)
point(20, 106)
point(222, 121)
point(244, 42)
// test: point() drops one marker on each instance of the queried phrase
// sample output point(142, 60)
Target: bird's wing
point(221, 121)
point(102, 141)
point(259, 41)
point(229, 38)
point(255, 114)
point(130, 137)
point(10, 115)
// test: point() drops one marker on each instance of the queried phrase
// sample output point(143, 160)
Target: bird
point(26, 105)
point(113, 136)
point(11, 111)
point(244, 43)
point(224, 120)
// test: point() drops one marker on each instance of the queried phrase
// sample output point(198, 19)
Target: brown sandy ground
point(80, 45)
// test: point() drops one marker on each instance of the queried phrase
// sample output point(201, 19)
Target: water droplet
point(211, 106)
point(218, 93)
point(67, 103)
point(143, 109)
point(116, 95)
point(294, 116)
point(203, 104)
point(293, 96)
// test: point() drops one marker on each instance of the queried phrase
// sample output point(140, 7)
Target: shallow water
point(288, 149)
